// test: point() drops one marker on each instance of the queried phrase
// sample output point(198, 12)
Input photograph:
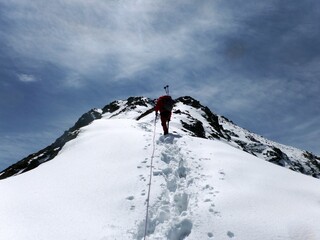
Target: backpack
point(167, 103)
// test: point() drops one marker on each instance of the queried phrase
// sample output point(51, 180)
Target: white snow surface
point(97, 187)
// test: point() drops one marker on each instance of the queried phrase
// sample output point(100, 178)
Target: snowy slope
point(96, 187)
point(193, 119)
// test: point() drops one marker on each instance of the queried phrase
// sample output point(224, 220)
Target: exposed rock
point(209, 125)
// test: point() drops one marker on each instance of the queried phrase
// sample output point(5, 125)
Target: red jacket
point(160, 106)
point(160, 103)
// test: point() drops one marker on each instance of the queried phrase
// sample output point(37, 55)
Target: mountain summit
point(208, 179)
point(203, 123)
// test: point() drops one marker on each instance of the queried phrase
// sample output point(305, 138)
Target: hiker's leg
point(164, 124)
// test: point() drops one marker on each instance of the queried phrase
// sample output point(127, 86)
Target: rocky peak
point(196, 120)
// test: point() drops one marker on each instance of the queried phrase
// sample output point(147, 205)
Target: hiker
point(164, 106)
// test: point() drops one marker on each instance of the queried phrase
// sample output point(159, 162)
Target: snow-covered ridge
point(96, 187)
point(191, 118)
point(280, 154)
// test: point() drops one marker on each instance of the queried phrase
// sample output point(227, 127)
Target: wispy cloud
point(119, 38)
point(27, 78)
point(122, 39)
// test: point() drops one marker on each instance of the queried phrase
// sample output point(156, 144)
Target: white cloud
point(27, 78)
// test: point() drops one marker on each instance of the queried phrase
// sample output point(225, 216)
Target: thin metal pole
point(150, 179)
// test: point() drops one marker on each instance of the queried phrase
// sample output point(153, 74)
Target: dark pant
point(165, 118)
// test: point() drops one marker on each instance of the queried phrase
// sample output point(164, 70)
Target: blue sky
point(255, 62)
